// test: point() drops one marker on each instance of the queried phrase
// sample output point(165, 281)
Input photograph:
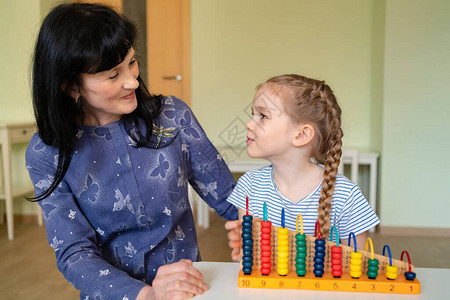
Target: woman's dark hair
point(74, 39)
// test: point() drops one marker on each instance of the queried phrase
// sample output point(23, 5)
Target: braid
point(329, 180)
point(332, 142)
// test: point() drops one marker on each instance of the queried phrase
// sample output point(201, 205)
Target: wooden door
point(168, 47)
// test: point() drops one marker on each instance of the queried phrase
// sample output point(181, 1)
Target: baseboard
point(414, 231)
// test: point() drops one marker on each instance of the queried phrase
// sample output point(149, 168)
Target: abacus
point(278, 258)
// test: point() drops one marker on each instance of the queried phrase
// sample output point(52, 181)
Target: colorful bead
point(336, 261)
point(372, 268)
point(247, 257)
point(410, 275)
point(283, 251)
point(355, 264)
point(266, 249)
point(319, 257)
point(300, 260)
point(391, 272)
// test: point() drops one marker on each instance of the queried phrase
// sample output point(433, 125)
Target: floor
point(28, 270)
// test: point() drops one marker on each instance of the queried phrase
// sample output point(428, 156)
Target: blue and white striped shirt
point(350, 210)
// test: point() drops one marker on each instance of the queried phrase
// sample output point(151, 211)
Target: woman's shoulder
point(37, 151)
point(172, 103)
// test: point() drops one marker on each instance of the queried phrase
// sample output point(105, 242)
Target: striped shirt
point(350, 210)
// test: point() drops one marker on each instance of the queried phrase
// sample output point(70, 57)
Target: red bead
point(265, 242)
point(266, 248)
point(336, 255)
point(336, 267)
point(265, 259)
point(336, 273)
point(265, 236)
point(336, 261)
point(265, 253)
point(336, 249)
point(266, 224)
point(266, 230)
point(265, 271)
point(266, 265)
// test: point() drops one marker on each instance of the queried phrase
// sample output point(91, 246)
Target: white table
point(12, 133)
point(222, 280)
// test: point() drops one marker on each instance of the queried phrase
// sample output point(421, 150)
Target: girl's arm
point(360, 241)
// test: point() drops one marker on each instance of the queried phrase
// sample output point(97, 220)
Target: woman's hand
point(234, 238)
point(175, 281)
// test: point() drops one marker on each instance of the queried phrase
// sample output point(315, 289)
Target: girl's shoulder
point(345, 188)
point(261, 174)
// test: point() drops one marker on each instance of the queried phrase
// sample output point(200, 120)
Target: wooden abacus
point(396, 276)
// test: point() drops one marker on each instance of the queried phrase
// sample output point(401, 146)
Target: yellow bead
point(391, 272)
point(355, 274)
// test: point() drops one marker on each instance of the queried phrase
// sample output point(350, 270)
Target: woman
point(110, 163)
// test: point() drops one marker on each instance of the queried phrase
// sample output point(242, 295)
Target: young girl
point(296, 125)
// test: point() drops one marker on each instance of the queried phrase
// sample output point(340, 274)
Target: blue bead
point(318, 260)
point(247, 253)
point(410, 275)
point(247, 264)
point(248, 218)
point(318, 273)
point(248, 242)
point(319, 248)
point(246, 235)
point(247, 247)
point(320, 254)
point(247, 258)
point(247, 230)
point(246, 224)
point(320, 242)
point(318, 266)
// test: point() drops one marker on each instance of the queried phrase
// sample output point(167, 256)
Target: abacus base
point(328, 283)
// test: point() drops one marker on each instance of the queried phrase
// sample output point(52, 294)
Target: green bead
point(300, 243)
point(300, 260)
point(372, 268)
point(301, 272)
point(300, 237)
point(373, 262)
point(372, 275)
point(301, 254)
point(300, 249)
point(300, 266)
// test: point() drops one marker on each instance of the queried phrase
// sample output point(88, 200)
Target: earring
point(78, 103)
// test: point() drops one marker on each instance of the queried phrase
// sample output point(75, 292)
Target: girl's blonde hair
point(312, 101)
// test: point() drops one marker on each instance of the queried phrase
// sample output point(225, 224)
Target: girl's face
point(108, 95)
point(270, 131)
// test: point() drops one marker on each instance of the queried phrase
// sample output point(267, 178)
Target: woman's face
point(108, 95)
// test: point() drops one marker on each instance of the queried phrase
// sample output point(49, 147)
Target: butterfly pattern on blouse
point(161, 169)
point(187, 126)
point(90, 192)
point(103, 132)
point(210, 188)
point(122, 202)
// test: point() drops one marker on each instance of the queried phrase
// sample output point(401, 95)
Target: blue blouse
point(122, 211)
